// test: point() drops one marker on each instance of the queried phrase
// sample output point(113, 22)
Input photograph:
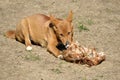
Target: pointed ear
point(53, 20)
point(70, 16)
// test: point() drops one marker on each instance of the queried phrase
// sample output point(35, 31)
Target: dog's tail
point(10, 34)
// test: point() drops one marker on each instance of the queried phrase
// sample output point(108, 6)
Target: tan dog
point(45, 31)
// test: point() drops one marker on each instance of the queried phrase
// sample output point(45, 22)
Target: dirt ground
point(101, 17)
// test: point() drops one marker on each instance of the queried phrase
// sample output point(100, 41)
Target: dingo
point(45, 31)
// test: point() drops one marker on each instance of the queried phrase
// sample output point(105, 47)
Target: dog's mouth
point(61, 46)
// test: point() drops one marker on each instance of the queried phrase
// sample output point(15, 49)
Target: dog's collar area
point(51, 25)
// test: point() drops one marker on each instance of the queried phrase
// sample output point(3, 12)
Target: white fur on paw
point(28, 48)
point(60, 56)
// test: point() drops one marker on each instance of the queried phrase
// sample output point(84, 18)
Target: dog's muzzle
point(67, 44)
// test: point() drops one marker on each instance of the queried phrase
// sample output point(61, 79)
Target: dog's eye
point(68, 33)
point(61, 35)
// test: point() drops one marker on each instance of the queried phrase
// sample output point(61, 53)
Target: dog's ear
point(70, 16)
point(53, 20)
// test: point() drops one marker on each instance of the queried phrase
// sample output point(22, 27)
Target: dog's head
point(63, 29)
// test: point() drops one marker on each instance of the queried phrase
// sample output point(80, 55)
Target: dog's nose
point(67, 44)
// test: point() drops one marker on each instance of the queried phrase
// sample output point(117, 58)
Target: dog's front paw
point(60, 57)
point(28, 48)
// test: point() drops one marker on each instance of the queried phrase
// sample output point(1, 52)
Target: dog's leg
point(27, 42)
point(26, 34)
point(53, 49)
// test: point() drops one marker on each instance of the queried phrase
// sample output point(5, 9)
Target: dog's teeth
point(28, 48)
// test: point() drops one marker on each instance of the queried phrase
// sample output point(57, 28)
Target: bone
point(83, 55)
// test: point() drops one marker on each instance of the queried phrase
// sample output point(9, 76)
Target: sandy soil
point(101, 17)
